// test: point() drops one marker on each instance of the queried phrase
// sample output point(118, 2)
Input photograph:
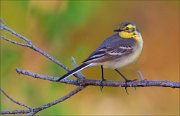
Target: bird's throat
point(124, 34)
point(135, 35)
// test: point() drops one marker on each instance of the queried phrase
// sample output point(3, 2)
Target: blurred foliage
point(66, 16)
point(75, 28)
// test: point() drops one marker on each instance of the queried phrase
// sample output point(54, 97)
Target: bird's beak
point(117, 30)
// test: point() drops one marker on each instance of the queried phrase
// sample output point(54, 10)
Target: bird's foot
point(101, 84)
point(127, 81)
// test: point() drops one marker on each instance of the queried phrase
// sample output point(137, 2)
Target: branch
point(16, 102)
point(33, 111)
point(30, 45)
point(141, 83)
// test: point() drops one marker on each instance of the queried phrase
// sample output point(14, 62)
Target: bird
point(116, 51)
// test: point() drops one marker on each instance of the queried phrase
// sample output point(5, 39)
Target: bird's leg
point(125, 78)
point(103, 79)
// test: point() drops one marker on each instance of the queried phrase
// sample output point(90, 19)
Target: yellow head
point(128, 30)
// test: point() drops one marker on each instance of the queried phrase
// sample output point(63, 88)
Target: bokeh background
point(75, 28)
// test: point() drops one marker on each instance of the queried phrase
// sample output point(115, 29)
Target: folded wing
point(111, 50)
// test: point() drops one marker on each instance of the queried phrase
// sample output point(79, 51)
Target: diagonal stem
point(16, 102)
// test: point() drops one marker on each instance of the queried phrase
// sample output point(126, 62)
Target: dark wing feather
point(112, 48)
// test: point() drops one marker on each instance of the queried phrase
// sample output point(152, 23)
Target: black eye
point(127, 28)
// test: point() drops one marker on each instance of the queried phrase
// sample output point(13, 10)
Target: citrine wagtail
point(116, 51)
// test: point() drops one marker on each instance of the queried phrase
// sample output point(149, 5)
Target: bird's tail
point(81, 67)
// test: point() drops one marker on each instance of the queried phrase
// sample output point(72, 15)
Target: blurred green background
point(75, 28)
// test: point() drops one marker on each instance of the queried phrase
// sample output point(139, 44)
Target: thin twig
point(140, 75)
point(80, 75)
point(16, 102)
point(14, 42)
point(4, 27)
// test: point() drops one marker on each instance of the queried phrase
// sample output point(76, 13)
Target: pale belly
point(124, 60)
